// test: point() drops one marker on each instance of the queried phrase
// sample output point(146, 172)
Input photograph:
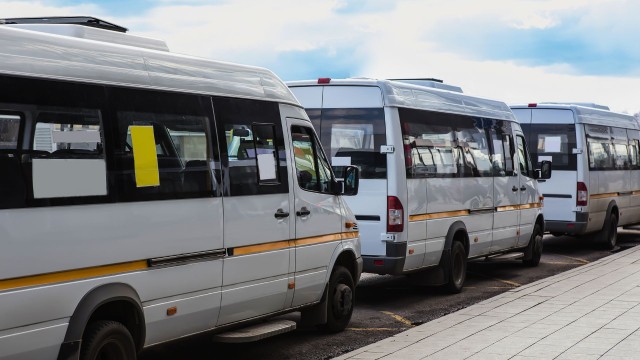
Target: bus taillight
point(582, 194)
point(395, 215)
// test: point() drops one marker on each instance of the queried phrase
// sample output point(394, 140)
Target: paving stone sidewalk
point(589, 312)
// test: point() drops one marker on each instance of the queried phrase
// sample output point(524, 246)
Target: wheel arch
point(457, 231)
point(116, 301)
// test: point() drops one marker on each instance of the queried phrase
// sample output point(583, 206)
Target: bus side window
point(68, 159)
point(599, 147)
point(524, 160)
point(12, 182)
point(312, 169)
point(163, 147)
point(502, 144)
point(253, 148)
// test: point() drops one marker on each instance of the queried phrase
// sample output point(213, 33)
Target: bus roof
point(402, 94)
point(62, 56)
point(585, 114)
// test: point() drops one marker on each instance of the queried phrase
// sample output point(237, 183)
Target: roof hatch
point(85, 27)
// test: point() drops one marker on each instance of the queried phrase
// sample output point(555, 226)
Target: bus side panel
point(182, 286)
point(85, 236)
point(314, 260)
point(416, 230)
point(634, 200)
point(40, 341)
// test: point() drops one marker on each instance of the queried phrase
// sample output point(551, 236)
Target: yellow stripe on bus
point(602, 196)
point(71, 275)
point(145, 159)
point(285, 244)
point(448, 214)
point(251, 249)
point(438, 215)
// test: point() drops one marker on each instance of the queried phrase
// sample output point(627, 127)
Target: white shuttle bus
point(595, 185)
point(146, 196)
point(444, 177)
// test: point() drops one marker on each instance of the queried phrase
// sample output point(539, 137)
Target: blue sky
point(517, 51)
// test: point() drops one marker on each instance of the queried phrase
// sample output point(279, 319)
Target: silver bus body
point(195, 236)
point(596, 176)
point(411, 143)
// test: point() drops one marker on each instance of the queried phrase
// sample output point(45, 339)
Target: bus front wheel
point(107, 340)
point(340, 301)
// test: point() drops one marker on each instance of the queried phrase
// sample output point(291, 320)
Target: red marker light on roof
point(533, 105)
point(324, 80)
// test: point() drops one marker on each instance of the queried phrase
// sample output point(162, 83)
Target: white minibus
point(445, 177)
point(595, 185)
point(146, 196)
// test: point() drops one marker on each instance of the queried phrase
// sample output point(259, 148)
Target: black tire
point(107, 340)
point(457, 272)
point(533, 252)
point(340, 300)
point(607, 238)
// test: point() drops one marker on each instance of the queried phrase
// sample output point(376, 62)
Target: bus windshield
point(353, 137)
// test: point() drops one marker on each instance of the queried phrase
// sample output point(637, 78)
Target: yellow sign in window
point(145, 159)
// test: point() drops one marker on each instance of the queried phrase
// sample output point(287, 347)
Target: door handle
point(514, 188)
point(523, 188)
point(280, 214)
point(303, 212)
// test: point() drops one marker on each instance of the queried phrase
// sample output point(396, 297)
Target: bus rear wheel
point(608, 236)
point(107, 340)
point(457, 268)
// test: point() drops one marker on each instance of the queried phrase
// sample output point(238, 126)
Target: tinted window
point(251, 132)
point(312, 169)
point(503, 148)
point(552, 142)
point(524, 161)
point(162, 146)
point(600, 148)
point(444, 145)
point(353, 137)
point(9, 130)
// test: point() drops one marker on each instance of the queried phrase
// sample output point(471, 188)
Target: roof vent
point(430, 82)
point(583, 104)
point(68, 20)
point(85, 27)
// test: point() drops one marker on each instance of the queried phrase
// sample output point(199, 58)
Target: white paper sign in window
point(55, 178)
point(267, 167)
point(341, 161)
point(552, 144)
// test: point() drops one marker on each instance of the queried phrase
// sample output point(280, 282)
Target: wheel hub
point(342, 300)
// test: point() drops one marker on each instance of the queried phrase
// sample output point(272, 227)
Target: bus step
point(256, 332)
point(505, 257)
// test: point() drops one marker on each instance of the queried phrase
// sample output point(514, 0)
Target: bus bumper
point(577, 227)
point(390, 264)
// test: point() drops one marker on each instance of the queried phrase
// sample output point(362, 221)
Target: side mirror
point(241, 132)
point(544, 172)
point(351, 181)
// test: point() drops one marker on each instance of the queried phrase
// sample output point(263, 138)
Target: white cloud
point(405, 39)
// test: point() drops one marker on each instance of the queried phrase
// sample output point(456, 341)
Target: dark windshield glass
point(553, 142)
point(353, 137)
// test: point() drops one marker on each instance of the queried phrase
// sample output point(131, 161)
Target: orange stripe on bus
point(602, 196)
point(438, 215)
point(71, 275)
point(279, 245)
